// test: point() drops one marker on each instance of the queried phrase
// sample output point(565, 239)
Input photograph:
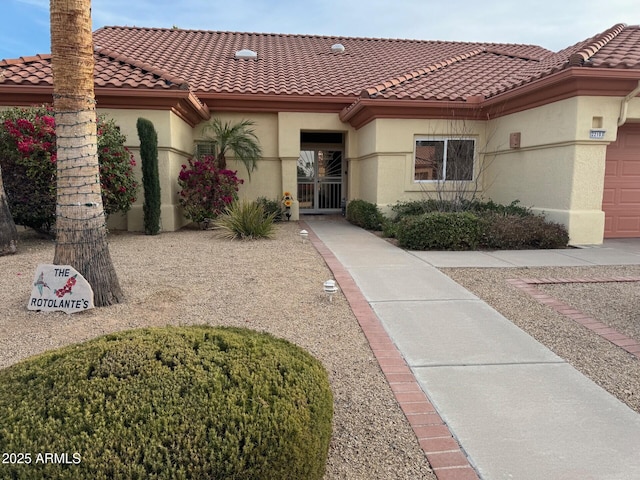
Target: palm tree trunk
point(81, 235)
point(8, 232)
point(222, 161)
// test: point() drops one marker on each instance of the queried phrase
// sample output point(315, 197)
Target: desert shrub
point(517, 232)
point(244, 220)
point(150, 176)
point(205, 189)
point(364, 214)
point(168, 403)
point(440, 231)
point(271, 207)
point(28, 161)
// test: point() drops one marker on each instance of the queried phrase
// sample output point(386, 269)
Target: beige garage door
point(621, 199)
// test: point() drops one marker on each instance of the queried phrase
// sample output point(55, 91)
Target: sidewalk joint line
point(493, 364)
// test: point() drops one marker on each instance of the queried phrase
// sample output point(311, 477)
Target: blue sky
point(24, 24)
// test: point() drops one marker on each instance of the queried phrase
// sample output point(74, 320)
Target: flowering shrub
point(28, 160)
point(119, 186)
point(206, 190)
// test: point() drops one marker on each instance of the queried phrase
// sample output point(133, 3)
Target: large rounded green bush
point(169, 403)
point(440, 231)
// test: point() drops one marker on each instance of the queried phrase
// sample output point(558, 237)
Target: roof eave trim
point(365, 110)
point(567, 83)
point(273, 103)
point(182, 102)
point(561, 85)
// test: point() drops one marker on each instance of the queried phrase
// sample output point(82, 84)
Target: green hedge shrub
point(440, 231)
point(520, 232)
point(169, 403)
point(364, 214)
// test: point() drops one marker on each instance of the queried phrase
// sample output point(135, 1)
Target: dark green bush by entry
point(170, 403)
point(364, 214)
point(271, 207)
point(440, 231)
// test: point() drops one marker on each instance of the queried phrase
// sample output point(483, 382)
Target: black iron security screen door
point(320, 180)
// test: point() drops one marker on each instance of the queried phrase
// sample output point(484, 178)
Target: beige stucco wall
point(279, 137)
point(385, 165)
point(558, 169)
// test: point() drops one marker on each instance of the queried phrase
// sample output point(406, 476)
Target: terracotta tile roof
point(287, 64)
point(617, 47)
point(111, 70)
point(34, 70)
point(304, 65)
point(623, 51)
point(478, 74)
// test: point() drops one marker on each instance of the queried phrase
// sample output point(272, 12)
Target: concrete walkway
point(516, 409)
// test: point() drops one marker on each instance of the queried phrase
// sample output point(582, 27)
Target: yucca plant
point(244, 220)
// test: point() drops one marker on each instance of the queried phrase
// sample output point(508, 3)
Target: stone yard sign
point(60, 287)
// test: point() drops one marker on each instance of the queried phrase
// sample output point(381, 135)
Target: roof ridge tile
point(589, 50)
point(372, 91)
point(27, 59)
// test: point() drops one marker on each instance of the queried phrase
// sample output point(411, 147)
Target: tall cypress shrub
point(150, 178)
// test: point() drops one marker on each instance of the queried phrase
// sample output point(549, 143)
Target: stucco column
point(290, 182)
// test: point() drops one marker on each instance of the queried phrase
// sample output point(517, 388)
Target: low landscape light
point(330, 288)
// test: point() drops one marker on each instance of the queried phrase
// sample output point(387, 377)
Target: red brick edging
point(529, 286)
point(443, 451)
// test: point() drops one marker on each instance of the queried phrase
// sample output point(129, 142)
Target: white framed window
point(441, 158)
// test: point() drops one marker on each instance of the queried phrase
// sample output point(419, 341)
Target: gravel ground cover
point(615, 304)
point(190, 277)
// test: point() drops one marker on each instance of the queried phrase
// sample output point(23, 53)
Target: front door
point(320, 180)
